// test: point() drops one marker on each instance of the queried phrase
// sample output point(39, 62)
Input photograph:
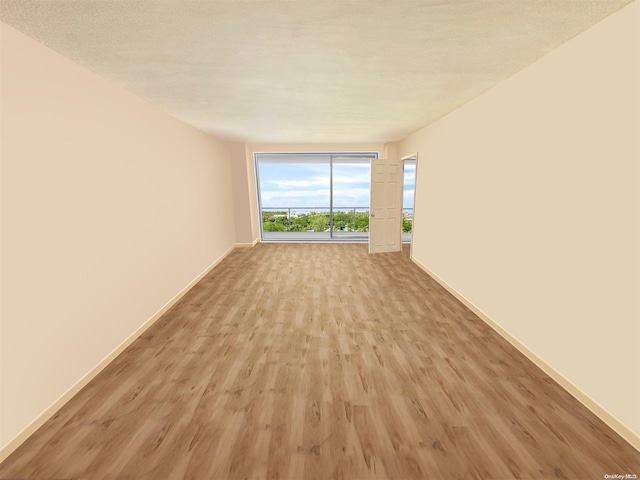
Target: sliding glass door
point(314, 197)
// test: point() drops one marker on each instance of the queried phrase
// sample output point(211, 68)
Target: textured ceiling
point(306, 71)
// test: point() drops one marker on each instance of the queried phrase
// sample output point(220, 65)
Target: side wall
point(527, 205)
point(110, 208)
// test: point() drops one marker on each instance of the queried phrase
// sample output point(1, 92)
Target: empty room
point(320, 239)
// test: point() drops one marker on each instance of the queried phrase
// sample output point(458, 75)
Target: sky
point(306, 185)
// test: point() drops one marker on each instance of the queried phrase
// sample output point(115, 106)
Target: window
point(314, 196)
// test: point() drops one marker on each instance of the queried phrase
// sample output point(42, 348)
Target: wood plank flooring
point(304, 361)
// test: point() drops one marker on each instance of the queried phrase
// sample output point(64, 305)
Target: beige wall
point(319, 147)
point(241, 195)
point(110, 207)
point(527, 204)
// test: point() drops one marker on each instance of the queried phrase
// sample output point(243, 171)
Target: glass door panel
point(295, 200)
point(351, 190)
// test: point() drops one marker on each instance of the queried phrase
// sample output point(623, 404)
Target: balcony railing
point(318, 223)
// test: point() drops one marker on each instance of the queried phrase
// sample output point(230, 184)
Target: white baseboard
point(248, 245)
point(16, 441)
point(602, 413)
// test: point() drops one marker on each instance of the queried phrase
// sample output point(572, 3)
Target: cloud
point(305, 186)
point(407, 198)
point(305, 183)
point(352, 197)
point(295, 198)
point(362, 178)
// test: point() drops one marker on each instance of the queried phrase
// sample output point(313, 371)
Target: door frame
point(368, 154)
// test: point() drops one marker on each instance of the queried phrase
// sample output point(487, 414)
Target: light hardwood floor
point(306, 361)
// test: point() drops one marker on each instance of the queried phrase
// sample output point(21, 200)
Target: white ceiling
point(306, 71)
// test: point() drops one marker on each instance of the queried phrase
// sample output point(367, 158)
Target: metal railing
point(322, 219)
